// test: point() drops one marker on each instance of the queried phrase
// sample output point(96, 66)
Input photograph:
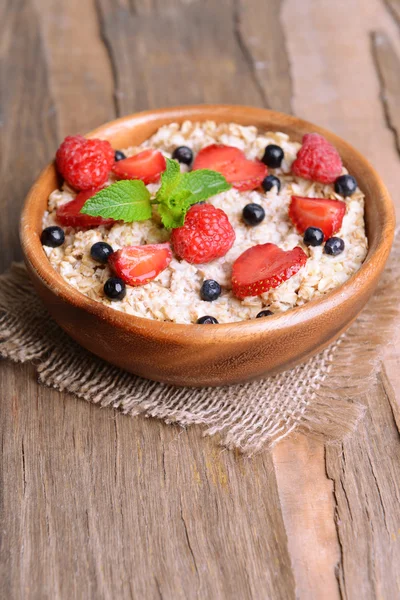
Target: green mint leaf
point(169, 179)
point(127, 200)
point(201, 185)
point(172, 217)
point(179, 191)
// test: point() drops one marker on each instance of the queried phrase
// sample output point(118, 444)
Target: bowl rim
point(165, 330)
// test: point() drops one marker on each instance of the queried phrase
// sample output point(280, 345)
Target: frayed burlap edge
point(320, 396)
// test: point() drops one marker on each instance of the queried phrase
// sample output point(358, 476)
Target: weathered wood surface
point(97, 505)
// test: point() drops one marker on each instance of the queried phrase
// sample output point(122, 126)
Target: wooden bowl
point(198, 355)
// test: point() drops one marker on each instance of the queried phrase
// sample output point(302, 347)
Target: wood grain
point(387, 63)
point(365, 470)
point(28, 116)
point(266, 54)
point(119, 515)
point(83, 92)
point(188, 54)
point(307, 501)
point(91, 501)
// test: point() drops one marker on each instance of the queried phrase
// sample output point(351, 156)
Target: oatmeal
point(175, 294)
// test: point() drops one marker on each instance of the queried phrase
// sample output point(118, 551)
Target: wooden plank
point(394, 8)
point(28, 123)
point(365, 470)
point(184, 53)
point(387, 65)
point(80, 74)
point(306, 497)
point(266, 54)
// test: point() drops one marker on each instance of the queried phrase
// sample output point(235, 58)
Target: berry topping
point(263, 267)
point(84, 163)
point(52, 236)
point(313, 236)
point(253, 214)
point(269, 182)
point(206, 234)
point(147, 166)
point(210, 290)
point(273, 156)
point(114, 288)
point(334, 246)
point(101, 251)
point(317, 160)
point(183, 154)
point(323, 213)
point(207, 320)
point(264, 313)
point(231, 162)
point(137, 265)
point(70, 215)
point(345, 185)
point(119, 156)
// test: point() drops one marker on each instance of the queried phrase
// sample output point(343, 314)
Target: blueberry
point(345, 185)
point(253, 214)
point(100, 251)
point(273, 156)
point(183, 154)
point(52, 236)
point(210, 290)
point(115, 288)
point(207, 320)
point(334, 246)
point(313, 236)
point(119, 155)
point(269, 182)
point(264, 313)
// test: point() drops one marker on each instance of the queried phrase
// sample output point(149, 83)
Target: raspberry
point(207, 234)
point(317, 160)
point(84, 163)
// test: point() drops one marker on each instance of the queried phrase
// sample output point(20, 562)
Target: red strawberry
point(242, 173)
point(69, 214)
point(84, 163)
point(323, 213)
point(206, 234)
point(317, 160)
point(147, 166)
point(138, 265)
point(263, 267)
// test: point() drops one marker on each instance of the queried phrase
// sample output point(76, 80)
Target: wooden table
point(97, 505)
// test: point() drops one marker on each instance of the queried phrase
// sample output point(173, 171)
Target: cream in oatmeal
point(174, 295)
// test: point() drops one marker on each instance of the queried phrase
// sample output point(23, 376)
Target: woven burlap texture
point(323, 396)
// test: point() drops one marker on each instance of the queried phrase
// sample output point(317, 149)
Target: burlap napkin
point(321, 396)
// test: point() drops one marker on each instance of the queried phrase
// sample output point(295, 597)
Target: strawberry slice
point(147, 166)
point(138, 265)
point(70, 215)
point(231, 162)
point(264, 267)
point(317, 212)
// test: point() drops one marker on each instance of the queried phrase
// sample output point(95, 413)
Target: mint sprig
point(129, 200)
